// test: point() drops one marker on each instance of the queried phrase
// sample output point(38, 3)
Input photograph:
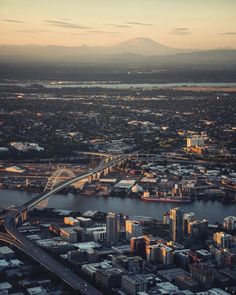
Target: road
point(34, 201)
point(39, 255)
point(48, 262)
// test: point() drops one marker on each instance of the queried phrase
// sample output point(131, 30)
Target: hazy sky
point(177, 23)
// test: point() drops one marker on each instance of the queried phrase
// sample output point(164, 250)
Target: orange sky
point(199, 24)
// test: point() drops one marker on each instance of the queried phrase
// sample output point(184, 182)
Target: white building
point(230, 223)
point(195, 141)
point(133, 228)
point(84, 222)
point(217, 291)
point(26, 146)
point(97, 233)
point(100, 235)
point(5, 251)
point(39, 290)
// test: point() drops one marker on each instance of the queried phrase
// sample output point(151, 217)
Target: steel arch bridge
point(57, 177)
point(12, 218)
point(57, 180)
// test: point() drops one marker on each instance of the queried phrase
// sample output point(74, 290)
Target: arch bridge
point(54, 184)
point(12, 218)
point(57, 177)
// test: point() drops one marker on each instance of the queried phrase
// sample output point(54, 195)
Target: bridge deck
point(16, 238)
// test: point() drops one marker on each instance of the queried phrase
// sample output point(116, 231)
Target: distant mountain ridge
point(146, 46)
point(133, 50)
point(142, 46)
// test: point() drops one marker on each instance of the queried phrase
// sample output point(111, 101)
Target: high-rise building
point(166, 255)
point(166, 217)
point(152, 253)
point(159, 253)
point(230, 223)
point(133, 228)
point(112, 227)
point(218, 256)
point(222, 240)
point(133, 264)
point(187, 217)
point(198, 229)
point(138, 246)
point(176, 224)
point(202, 273)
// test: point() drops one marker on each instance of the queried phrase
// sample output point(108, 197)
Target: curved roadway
point(70, 278)
point(48, 262)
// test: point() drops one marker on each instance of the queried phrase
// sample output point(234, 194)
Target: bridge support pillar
point(24, 216)
point(80, 184)
point(106, 171)
point(16, 220)
point(90, 179)
point(97, 176)
point(42, 205)
point(94, 177)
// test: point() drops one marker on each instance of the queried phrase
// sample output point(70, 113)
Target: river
point(211, 210)
point(70, 84)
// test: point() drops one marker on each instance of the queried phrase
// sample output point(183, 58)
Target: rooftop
point(87, 245)
point(6, 250)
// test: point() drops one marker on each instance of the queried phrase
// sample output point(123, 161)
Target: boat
point(168, 199)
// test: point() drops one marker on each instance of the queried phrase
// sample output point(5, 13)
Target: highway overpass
point(20, 241)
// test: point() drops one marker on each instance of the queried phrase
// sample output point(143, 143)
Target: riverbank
point(214, 211)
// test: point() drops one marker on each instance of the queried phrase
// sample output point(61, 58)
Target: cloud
point(72, 33)
point(13, 21)
point(140, 24)
point(65, 24)
point(119, 26)
point(101, 32)
point(32, 31)
point(228, 33)
point(180, 31)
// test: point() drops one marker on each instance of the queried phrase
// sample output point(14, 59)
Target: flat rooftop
point(6, 250)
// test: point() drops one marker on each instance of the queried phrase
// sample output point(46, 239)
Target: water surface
point(211, 210)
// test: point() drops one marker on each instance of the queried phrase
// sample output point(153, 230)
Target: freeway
point(48, 262)
point(10, 240)
point(39, 255)
point(33, 202)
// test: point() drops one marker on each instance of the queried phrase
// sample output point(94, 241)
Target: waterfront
point(114, 85)
point(212, 210)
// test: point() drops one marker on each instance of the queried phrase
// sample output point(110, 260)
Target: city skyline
point(181, 24)
point(118, 147)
